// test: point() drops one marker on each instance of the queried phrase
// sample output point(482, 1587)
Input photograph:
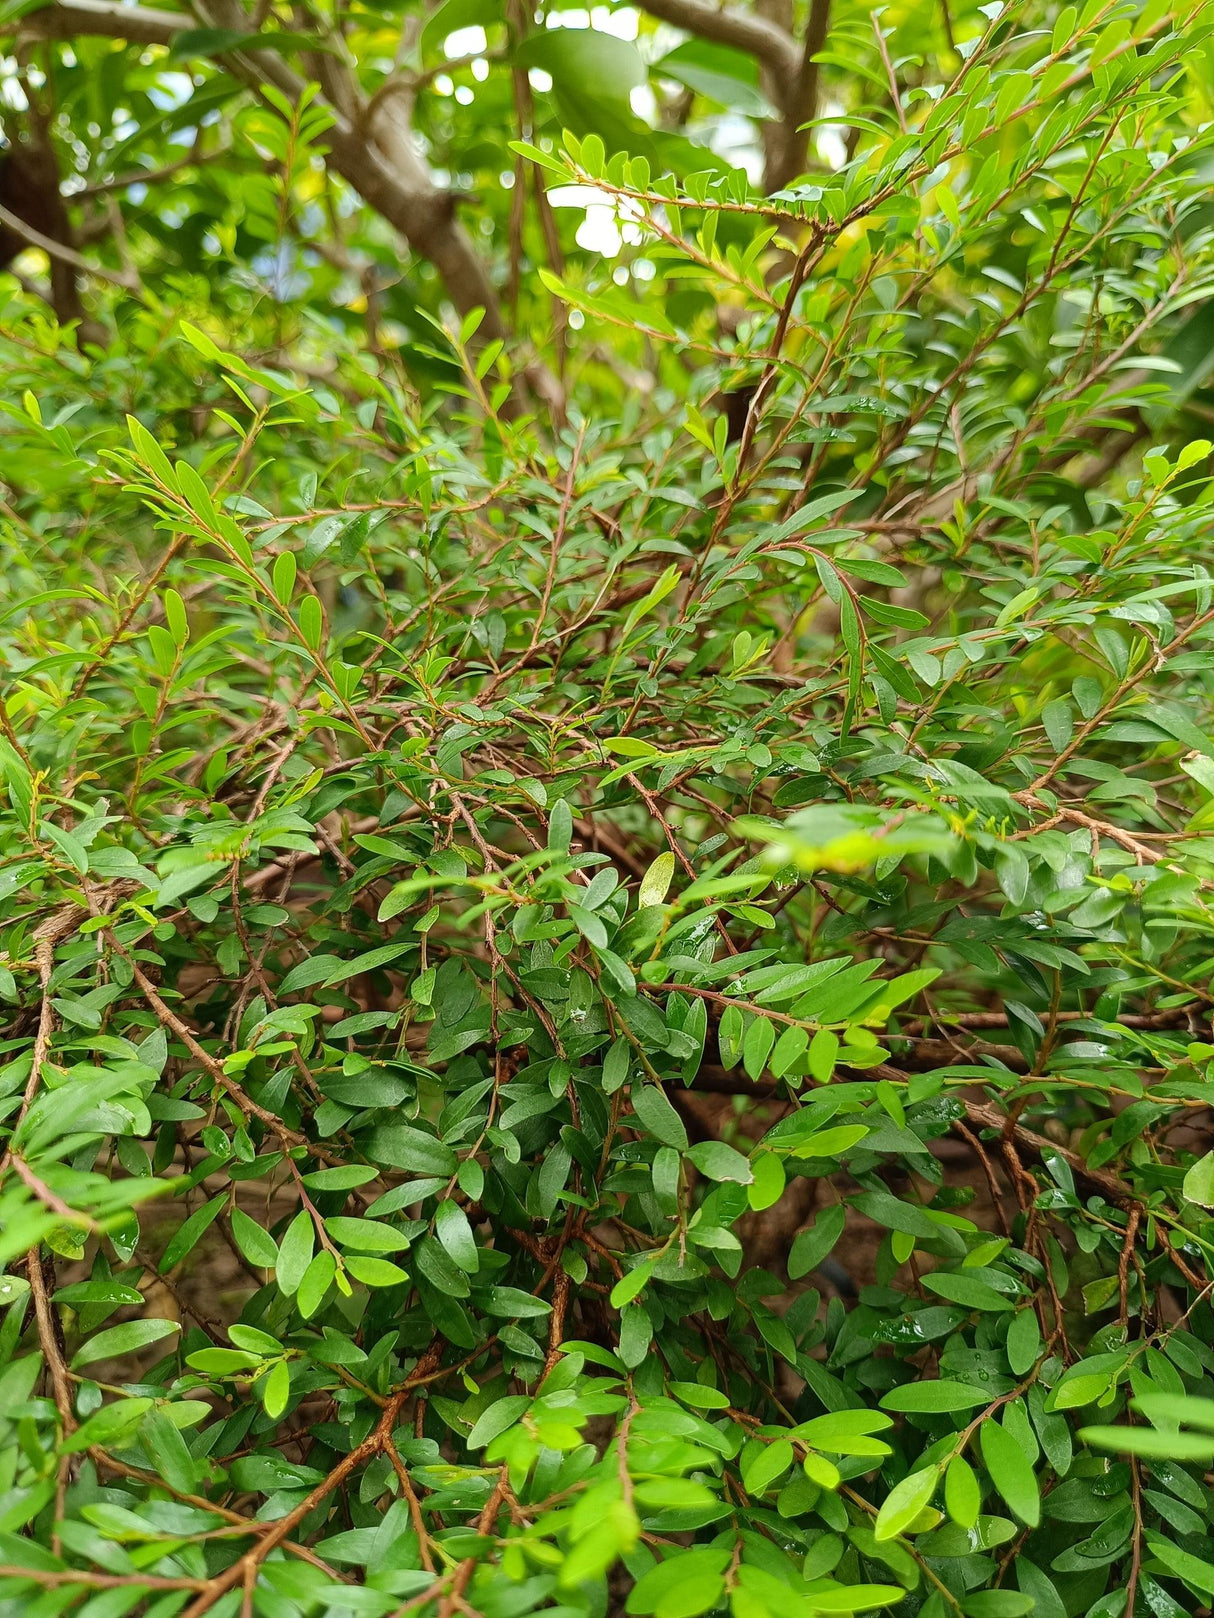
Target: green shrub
point(613, 1016)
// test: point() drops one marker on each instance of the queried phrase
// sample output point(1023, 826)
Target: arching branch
point(744, 30)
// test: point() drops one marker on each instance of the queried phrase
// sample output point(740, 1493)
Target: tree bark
point(745, 31)
point(33, 214)
point(790, 75)
point(800, 104)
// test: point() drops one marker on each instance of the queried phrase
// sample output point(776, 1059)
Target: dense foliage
point(604, 888)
